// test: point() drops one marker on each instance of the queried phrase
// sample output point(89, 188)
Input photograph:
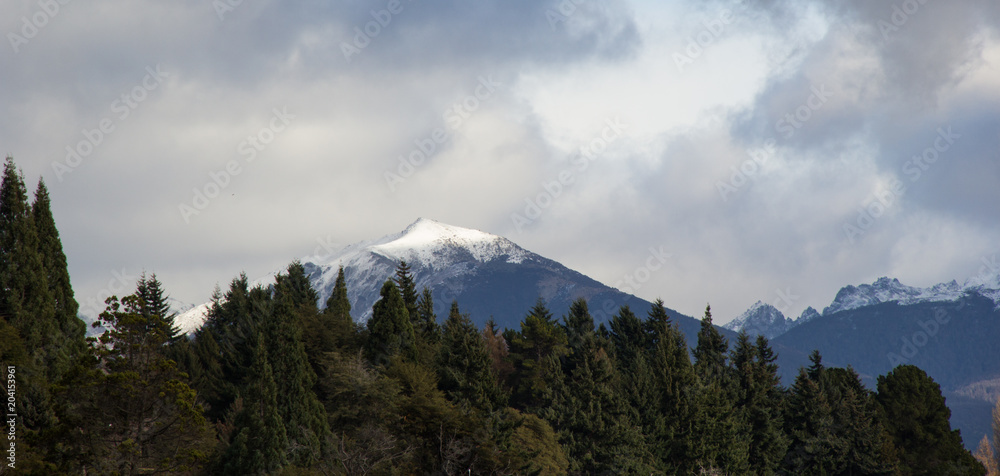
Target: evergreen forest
point(273, 383)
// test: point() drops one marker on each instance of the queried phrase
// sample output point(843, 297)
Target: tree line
point(273, 383)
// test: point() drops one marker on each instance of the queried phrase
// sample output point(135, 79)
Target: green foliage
point(260, 442)
point(292, 390)
point(760, 399)
point(390, 332)
point(535, 352)
point(917, 419)
point(464, 366)
point(710, 353)
point(407, 288)
point(589, 414)
point(145, 414)
point(70, 328)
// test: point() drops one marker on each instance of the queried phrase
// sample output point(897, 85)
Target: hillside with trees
point(272, 384)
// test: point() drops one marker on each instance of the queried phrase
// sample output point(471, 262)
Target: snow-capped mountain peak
point(761, 319)
point(490, 274)
point(425, 239)
point(891, 290)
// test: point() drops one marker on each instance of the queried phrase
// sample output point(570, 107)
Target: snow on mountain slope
point(191, 319)
point(425, 241)
point(440, 257)
point(891, 290)
point(761, 319)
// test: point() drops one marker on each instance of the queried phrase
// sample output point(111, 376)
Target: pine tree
point(590, 416)
point(335, 326)
point(426, 329)
point(864, 445)
point(425, 325)
point(154, 306)
point(628, 336)
point(260, 442)
point(407, 289)
point(710, 353)
point(71, 328)
point(41, 351)
point(293, 285)
point(656, 320)
point(223, 347)
point(338, 304)
point(147, 418)
point(722, 429)
point(809, 425)
point(917, 419)
point(390, 332)
point(304, 416)
point(760, 400)
point(535, 352)
point(675, 383)
point(464, 367)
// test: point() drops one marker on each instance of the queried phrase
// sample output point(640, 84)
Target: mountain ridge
point(489, 275)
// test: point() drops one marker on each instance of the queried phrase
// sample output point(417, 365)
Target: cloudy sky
point(776, 150)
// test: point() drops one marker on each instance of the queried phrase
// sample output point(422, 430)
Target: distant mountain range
point(949, 330)
point(490, 277)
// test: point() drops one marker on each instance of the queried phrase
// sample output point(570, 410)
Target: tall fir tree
point(293, 303)
point(674, 434)
point(721, 428)
point(710, 353)
point(864, 445)
point(465, 369)
point(390, 332)
point(407, 289)
point(338, 304)
point(260, 442)
point(154, 306)
point(26, 302)
point(426, 329)
point(535, 352)
point(590, 415)
point(68, 323)
point(336, 321)
point(760, 399)
point(809, 426)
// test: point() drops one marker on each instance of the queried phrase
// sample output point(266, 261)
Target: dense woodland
point(272, 384)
